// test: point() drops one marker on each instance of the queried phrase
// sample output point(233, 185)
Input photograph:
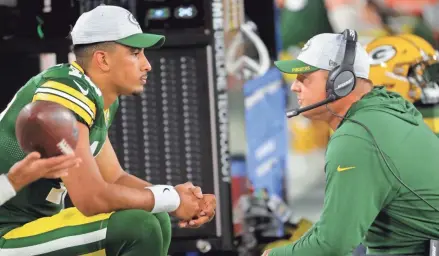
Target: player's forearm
point(114, 197)
point(132, 181)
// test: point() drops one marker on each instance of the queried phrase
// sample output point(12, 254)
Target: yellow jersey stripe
point(66, 96)
point(97, 253)
point(66, 242)
point(66, 103)
point(66, 218)
point(64, 88)
point(76, 65)
point(433, 123)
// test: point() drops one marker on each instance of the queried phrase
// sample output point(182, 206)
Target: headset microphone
point(296, 112)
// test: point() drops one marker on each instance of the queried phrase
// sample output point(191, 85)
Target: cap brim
point(143, 41)
point(294, 67)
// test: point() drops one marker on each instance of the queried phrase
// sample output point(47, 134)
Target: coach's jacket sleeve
point(357, 185)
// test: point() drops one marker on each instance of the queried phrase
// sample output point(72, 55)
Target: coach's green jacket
point(365, 202)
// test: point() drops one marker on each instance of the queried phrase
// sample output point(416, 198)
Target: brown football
point(46, 127)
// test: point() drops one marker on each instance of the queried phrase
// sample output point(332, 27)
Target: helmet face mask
point(430, 87)
point(400, 63)
point(431, 73)
point(416, 74)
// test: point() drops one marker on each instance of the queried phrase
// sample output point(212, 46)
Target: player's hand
point(189, 202)
point(32, 168)
point(208, 207)
point(266, 253)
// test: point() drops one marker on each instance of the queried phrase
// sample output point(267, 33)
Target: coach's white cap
point(325, 51)
point(112, 23)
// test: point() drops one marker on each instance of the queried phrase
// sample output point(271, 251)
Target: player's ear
point(102, 59)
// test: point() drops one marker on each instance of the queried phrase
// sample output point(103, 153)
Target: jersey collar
point(76, 65)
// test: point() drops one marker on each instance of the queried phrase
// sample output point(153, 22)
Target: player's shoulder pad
point(68, 85)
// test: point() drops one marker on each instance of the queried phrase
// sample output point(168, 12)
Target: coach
point(382, 164)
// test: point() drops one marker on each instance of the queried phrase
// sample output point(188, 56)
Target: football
point(46, 127)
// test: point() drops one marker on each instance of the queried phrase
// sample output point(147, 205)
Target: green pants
point(125, 233)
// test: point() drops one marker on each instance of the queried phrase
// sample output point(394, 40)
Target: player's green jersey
point(67, 85)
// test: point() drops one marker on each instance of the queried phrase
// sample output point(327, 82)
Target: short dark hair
point(84, 52)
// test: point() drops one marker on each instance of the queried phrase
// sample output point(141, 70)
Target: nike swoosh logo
point(342, 169)
point(85, 92)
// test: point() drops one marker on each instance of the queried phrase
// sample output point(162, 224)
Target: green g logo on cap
point(133, 20)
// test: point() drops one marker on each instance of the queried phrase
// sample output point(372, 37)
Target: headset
point(341, 81)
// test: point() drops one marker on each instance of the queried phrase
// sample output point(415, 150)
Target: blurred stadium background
point(213, 111)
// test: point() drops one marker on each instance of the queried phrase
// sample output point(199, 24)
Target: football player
point(408, 64)
point(115, 213)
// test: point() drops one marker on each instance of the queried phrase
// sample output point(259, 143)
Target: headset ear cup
point(330, 83)
point(344, 83)
point(341, 79)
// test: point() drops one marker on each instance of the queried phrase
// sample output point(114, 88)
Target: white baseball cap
point(112, 23)
point(325, 51)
